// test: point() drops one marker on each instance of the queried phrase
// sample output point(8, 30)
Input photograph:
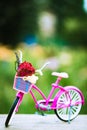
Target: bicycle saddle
point(62, 74)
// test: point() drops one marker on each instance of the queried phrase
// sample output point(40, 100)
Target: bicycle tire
point(11, 112)
point(63, 113)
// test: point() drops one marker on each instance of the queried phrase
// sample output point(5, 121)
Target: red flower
point(25, 69)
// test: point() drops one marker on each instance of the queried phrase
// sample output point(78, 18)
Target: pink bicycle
point(66, 103)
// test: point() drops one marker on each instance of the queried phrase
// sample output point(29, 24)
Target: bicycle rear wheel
point(68, 112)
point(11, 112)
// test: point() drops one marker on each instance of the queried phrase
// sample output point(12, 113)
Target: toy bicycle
point(66, 103)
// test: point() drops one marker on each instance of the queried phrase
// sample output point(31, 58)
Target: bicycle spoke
point(69, 104)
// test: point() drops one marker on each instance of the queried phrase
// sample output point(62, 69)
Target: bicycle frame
point(44, 104)
point(46, 100)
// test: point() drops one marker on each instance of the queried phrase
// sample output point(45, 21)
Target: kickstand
point(40, 112)
point(69, 114)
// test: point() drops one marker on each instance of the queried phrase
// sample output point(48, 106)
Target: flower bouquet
point(25, 69)
point(24, 77)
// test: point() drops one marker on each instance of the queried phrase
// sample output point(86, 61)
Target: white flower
point(31, 79)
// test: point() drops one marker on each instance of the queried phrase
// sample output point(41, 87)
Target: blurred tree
point(9, 21)
point(17, 19)
point(73, 10)
point(28, 24)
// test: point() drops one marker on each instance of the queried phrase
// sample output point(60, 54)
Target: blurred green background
point(45, 30)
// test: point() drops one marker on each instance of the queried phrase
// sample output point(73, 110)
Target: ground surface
point(38, 122)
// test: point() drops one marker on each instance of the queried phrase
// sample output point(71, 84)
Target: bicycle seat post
point(58, 80)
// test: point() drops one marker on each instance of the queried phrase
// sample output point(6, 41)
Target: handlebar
point(40, 70)
point(18, 58)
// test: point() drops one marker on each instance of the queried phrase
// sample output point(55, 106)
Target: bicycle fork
point(20, 96)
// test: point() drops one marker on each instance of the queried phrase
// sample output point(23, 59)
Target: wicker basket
point(21, 85)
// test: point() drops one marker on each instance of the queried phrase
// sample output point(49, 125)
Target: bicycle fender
point(66, 88)
point(78, 90)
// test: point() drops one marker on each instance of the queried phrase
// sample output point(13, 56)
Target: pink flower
point(25, 69)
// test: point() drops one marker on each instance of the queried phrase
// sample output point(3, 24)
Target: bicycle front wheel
point(11, 112)
point(70, 104)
